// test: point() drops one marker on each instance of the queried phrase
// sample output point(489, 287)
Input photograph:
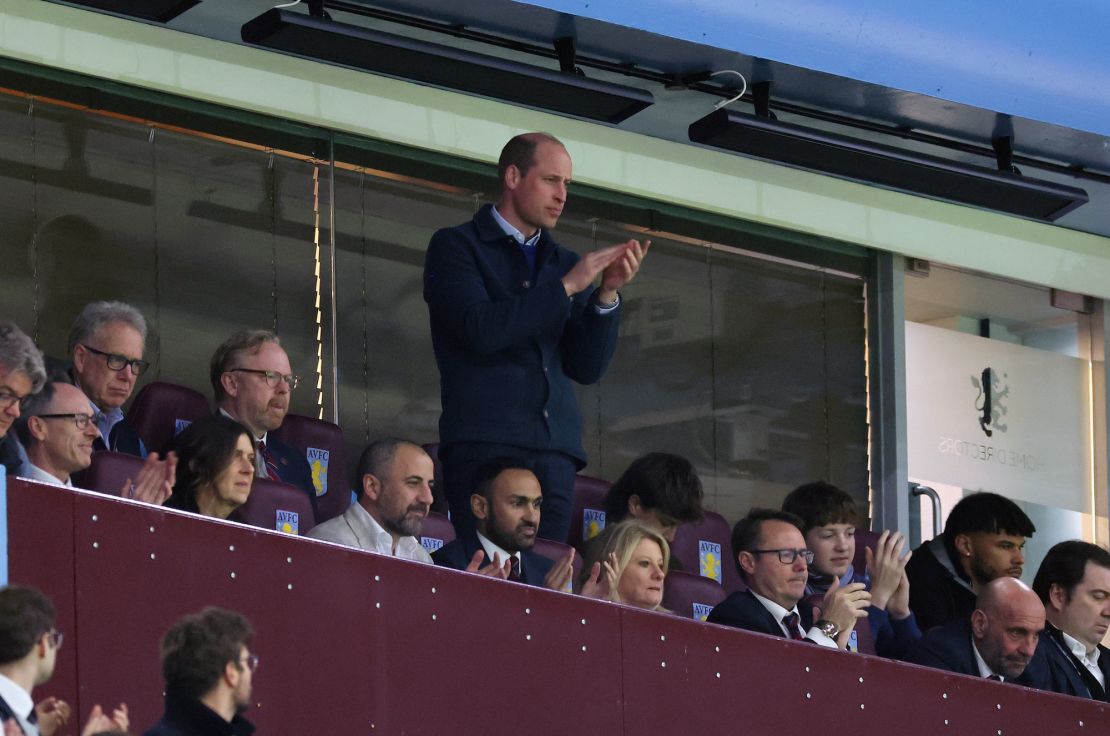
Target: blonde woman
point(630, 566)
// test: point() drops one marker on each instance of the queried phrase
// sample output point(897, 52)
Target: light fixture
point(319, 38)
point(860, 160)
point(159, 11)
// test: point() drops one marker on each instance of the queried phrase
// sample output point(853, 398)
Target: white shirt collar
point(37, 473)
point(777, 611)
point(491, 549)
point(511, 231)
point(18, 699)
point(256, 439)
point(381, 541)
point(984, 670)
point(1089, 659)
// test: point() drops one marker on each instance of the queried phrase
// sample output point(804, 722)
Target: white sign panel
point(993, 416)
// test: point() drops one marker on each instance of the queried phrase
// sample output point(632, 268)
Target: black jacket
point(193, 718)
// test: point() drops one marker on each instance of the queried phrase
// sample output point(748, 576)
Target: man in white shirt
point(1073, 582)
point(999, 640)
point(772, 558)
point(394, 497)
point(28, 650)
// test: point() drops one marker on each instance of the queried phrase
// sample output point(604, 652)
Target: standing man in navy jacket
point(515, 317)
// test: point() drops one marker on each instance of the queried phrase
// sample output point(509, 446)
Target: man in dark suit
point(983, 539)
point(253, 381)
point(515, 318)
point(21, 375)
point(773, 560)
point(998, 641)
point(506, 505)
point(29, 646)
point(1073, 582)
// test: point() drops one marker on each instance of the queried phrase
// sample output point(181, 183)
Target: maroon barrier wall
point(352, 642)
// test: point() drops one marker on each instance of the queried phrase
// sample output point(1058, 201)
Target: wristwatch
point(828, 628)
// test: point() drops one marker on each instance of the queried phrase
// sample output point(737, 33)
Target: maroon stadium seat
point(691, 595)
point(162, 410)
point(706, 549)
point(588, 510)
point(555, 551)
point(436, 532)
point(278, 506)
point(322, 445)
point(108, 472)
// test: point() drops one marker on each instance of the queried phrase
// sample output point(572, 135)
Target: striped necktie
point(268, 468)
point(790, 621)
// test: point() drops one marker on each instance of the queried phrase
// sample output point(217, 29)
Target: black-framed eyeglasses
point(81, 420)
point(8, 399)
point(271, 377)
point(117, 362)
point(251, 661)
point(56, 638)
point(787, 556)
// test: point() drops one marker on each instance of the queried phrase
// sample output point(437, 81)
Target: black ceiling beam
point(158, 11)
point(874, 163)
point(444, 66)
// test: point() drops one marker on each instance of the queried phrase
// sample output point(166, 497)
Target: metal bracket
point(564, 49)
point(761, 94)
point(916, 489)
point(1004, 153)
point(316, 9)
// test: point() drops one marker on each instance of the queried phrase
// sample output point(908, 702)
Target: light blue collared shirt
point(531, 243)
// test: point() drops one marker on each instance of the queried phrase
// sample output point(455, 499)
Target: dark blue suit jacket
point(744, 611)
point(292, 467)
point(458, 553)
point(949, 648)
point(1057, 666)
point(508, 343)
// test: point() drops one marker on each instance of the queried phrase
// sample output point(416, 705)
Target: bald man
point(997, 642)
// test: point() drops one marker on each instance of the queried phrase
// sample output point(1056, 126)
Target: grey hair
point(98, 314)
point(33, 406)
point(19, 355)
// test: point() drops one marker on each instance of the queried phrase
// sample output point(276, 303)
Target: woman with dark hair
point(215, 467)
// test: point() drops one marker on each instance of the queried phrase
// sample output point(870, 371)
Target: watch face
point(828, 628)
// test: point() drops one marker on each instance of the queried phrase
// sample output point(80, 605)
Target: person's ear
point(1057, 597)
point(80, 355)
point(230, 383)
point(747, 562)
point(479, 506)
point(512, 177)
point(635, 507)
point(979, 623)
point(371, 487)
point(37, 428)
point(962, 543)
point(232, 673)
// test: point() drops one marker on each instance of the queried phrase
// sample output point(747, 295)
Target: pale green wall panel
point(362, 104)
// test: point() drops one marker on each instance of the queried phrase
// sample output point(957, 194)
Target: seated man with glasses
point(208, 671)
point(106, 345)
point(772, 558)
point(58, 429)
point(29, 646)
point(253, 383)
point(21, 374)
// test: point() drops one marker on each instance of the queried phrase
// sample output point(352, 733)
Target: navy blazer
point(508, 342)
point(949, 648)
point(1063, 672)
point(458, 553)
point(743, 610)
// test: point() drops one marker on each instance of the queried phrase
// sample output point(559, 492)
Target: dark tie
point(790, 621)
point(268, 461)
point(514, 571)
